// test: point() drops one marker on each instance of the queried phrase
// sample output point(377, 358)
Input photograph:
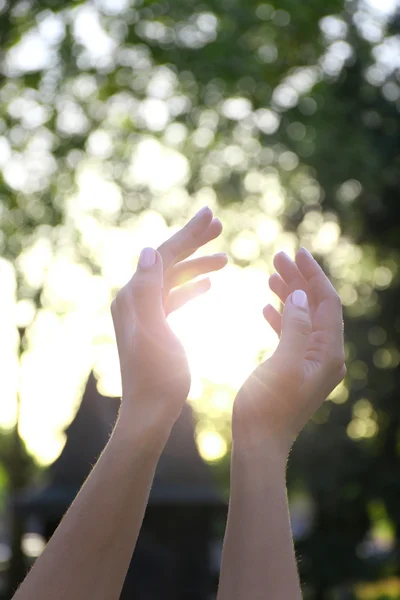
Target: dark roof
point(87, 435)
point(181, 477)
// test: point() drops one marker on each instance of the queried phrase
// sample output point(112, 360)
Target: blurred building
point(173, 554)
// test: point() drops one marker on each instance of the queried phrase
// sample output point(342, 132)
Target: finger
point(279, 287)
point(213, 231)
point(274, 318)
point(314, 275)
point(145, 289)
point(296, 330)
point(329, 315)
point(328, 318)
point(186, 238)
point(185, 293)
point(190, 269)
point(289, 272)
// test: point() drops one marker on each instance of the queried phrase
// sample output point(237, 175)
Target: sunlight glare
point(212, 446)
point(224, 331)
point(8, 343)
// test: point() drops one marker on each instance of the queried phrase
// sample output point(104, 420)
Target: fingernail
point(299, 298)
point(306, 251)
point(216, 220)
point(147, 258)
point(221, 254)
point(202, 211)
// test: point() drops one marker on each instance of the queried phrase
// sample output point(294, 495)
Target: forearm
point(89, 554)
point(258, 560)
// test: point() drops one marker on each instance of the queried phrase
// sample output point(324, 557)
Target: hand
point(283, 392)
point(154, 369)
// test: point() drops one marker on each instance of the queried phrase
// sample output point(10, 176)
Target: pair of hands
point(282, 393)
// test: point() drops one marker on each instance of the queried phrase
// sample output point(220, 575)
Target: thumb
point(147, 285)
point(296, 328)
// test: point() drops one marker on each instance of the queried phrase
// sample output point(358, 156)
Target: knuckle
point(343, 372)
point(336, 362)
point(115, 308)
point(120, 299)
point(162, 249)
point(302, 325)
point(138, 288)
point(169, 252)
point(339, 375)
point(336, 299)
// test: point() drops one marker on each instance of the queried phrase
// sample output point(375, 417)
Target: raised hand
point(155, 381)
point(179, 273)
point(284, 391)
point(154, 369)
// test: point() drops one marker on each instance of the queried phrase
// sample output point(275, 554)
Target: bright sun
point(224, 331)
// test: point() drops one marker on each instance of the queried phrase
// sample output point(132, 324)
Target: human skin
point(89, 554)
point(270, 410)
point(83, 560)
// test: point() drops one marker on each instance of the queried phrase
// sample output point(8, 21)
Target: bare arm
point(89, 553)
point(258, 559)
point(270, 410)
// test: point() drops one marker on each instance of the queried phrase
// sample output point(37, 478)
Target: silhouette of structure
point(172, 556)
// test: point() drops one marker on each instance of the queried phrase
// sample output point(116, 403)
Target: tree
point(286, 113)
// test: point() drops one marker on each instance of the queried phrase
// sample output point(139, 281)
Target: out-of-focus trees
point(355, 478)
point(283, 116)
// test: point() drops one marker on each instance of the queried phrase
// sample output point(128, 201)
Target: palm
point(160, 361)
point(152, 358)
point(284, 391)
point(319, 339)
point(181, 286)
point(325, 307)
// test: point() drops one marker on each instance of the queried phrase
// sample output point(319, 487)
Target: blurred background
point(118, 120)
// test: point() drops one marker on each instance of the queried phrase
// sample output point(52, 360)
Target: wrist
point(255, 433)
point(261, 450)
point(146, 430)
point(259, 440)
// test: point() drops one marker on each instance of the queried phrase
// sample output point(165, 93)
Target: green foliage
point(239, 88)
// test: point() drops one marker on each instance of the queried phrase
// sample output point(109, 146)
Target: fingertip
point(147, 258)
point(204, 213)
point(301, 255)
point(201, 220)
point(267, 310)
point(303, 250)
point(275, 277)
point(222, 259)
point(279, 257)
point(307, 264)
point(273, 318)
point(299, 299)
point(213, 230)
point(201, 286)
point(275, 259)
point(217, 224)
point(205, 284)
